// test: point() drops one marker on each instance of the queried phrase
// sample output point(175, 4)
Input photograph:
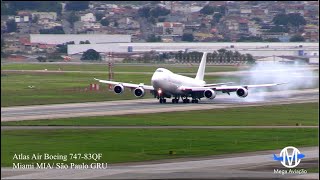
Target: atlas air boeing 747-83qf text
point(166, 84)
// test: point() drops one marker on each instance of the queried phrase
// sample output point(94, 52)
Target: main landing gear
point(162, 100)
point(186, 100)
point(176, 100)
point(195, 101)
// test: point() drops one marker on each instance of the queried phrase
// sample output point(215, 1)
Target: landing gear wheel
point(186, 100)
point(161, 101)
point(175, 101)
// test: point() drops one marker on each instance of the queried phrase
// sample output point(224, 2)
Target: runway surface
point(140, 106)
point(149, 127)
point(223, 73)
point(231, 166)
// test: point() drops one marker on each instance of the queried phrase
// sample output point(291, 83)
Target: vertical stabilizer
point(202, 67)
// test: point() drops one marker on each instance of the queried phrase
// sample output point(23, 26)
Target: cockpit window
point(159, 70)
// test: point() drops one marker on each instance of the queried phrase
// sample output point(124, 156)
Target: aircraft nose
point(157, 79)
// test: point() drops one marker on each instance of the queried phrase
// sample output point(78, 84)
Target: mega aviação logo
point(290, 157)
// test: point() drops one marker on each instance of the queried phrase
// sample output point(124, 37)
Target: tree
point(63, 48)
point(256, 19)
point(296, 20)
point(144, 12)
point(207, 10)
point(77, 5)
point(91, 54)
point(187, 37)
point(147, 12)
point(296, 38)
point(116, 24)
point(99, 16)
point(237, 55)
point(159, 11)
point(104, 22)
point(55, 56)
point(250, 59)
point(11, 26)
point(250, 39)
point(153, 38)
point(272, 40)
point(162, 19)
point(281, 19)
point(217, 17)
point(72, 18)
point(41, 6)
point(54, 30)
point(84, 42)
point(278, 28)
point(35, 19)
point(41, 59)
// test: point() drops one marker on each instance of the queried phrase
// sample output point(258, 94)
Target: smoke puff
point(295, 77)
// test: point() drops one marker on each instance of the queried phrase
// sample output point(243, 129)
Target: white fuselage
point(171, 83)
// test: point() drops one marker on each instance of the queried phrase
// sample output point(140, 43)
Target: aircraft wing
point(226, 88)
point(129, 85)
point(217, 84)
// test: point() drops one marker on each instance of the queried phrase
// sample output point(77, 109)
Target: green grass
point(304, 114)
point(117, 68)
point(142, 144)
point(51, 88)
point(313, 170)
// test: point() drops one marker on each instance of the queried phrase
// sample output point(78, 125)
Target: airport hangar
point(256, 49)
point(118, 43)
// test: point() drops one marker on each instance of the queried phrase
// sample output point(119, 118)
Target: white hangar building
point(256, 49)
point(93, 38)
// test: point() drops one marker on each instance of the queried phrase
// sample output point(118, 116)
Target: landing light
point(159, 91)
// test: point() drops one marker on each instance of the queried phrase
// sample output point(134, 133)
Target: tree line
point(220, 56)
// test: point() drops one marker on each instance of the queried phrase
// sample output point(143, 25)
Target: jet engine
point(139, 92)
point(210, 94)
point(118, 89)
point(242, 92)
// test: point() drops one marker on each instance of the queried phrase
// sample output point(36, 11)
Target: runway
point(141, 106)
point(223, 73)
point(254, 165)
point(148, 127)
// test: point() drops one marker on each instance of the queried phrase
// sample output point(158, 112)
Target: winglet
point(202, 67)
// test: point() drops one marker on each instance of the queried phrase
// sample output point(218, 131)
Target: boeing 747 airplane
point(166, 84)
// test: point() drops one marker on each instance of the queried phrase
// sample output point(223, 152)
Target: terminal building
point(256, 49)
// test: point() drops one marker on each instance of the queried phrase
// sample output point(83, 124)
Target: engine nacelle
point(139, 92)
point(210, 94)
point(118, 89)
point(242, 92)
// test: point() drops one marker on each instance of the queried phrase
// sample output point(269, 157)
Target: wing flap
point(217, 84)
point(129, 85)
